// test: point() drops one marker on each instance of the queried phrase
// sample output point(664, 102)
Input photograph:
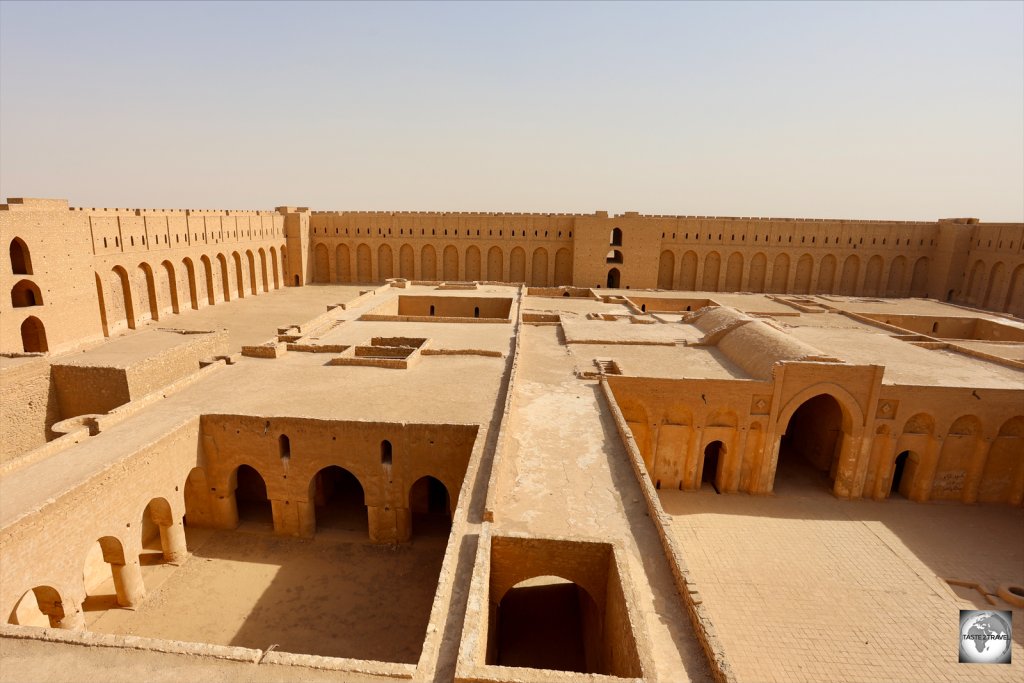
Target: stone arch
point(563, 267)
point(239, 281)
point(780, 273)
point(428, 263)
point(21, 258)
point(1002, 478)
point(826, 275)
point(995, 279)
point(264, 275)
point(495, 265)
point(190, 278)
point(198, 501)
point(406, 262)
point(616, 237)
point(169, 285)
point(614, 279)
point(33, 336)
point(758, 272)
point(250, 261)
point(25, 294)
point(339, 500)
point(385, 263)
point(44, 608)
point(343, 264)
point(873, 276)
point(151, 291)
point(711, 465)
point(734, 272)
point(517, 265)
point(712, 267)
point(818, 425)
point(919, 423)
point(104, 562)
point(804, 268)
point(430, 506)
point(321, 264)
point(162, 537)
point(956, 458)
point(274, 269)
point(284, 265)
point(539, 270)
point(919, 278)
point(1014, 302)
point(666, 269)
point(450, 262)
point(897, 273)
point(473, 266)
point(248, 491)
point(364, 264)
point(974, 282)
point(124, 304)
point(103, 305)
point(848, 281)
point(688, 271)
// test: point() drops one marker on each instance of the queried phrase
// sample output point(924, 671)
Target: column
point(128, 584)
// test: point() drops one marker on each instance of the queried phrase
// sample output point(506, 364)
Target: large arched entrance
point(613, 279)
point(809, 449)
point(339, 500)
point(430, 506)
point(714, 453)
point(902, 480)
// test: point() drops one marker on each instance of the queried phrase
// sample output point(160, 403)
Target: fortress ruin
point(475, 447)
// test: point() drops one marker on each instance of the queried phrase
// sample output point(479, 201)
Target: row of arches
point(819, 441)
point(803, 275)
point(995, 288)
point(113, 573)
point(363, 264)
point(128, 297)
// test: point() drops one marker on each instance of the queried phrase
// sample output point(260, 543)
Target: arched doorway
point(21, 260)
point(546, 623)
point(613, 279)
point(110, 580)
point(339, 500)
point(254, 509)
point(430, 506)
point(810, 447)
point(25, 293)
point(42, 606)
point(163, 537)
point(901, 480)
point(713, 454)
point(33, 336)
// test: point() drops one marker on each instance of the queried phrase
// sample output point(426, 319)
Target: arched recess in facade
point(430, 506)
point(103, 305)
point(804, 269)
point(819, 429)
point(25, 294)
point(1002, 477)
point(450, 257)
point(151, 293)
point(407, 262)
point(264, 275)
point(321, 264)
point(517, 265)
point(495, 264)
point(33, 336)
point(364, 264)
point(385, 263)
point(168, 288)
point(108, 568)
point(239, 280)
point(161, 535)
point(339, 500)
point(780, 273)
point(539, 271)
point(428, 263)
point(614, 279)
point(712, 268)
point(343, 264)
point(826, 275)
point(851, 269)
point(897, 275)
point(193, 283)
point(919, 278)
point(122, 306)
point(734, 272)
point(473, 265)
point(250, 261)
point(274, 268)
point(1014, 302)
point(41, 606)
point(563, 267)
point(210, 289)
point(758, 272)
point(21, 259)
point(224, 277)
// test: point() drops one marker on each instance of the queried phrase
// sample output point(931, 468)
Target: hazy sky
point(862, 110)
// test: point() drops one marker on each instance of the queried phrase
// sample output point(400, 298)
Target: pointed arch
point(385, 263)
point(264, 276)
point(473, 268)
point(495, 265)
point(897, 272)
point(239, 281)
point(151, 291)
point(169, 287)
point(995, 280)
point(563, 267)
point(406, 262)
point(851, 269)
point(225, 277)
point(1014, 302)
point(428, 263)
point(190, 277)
point(274, 269)
point(712, 269)
point(451, 263)
point(688, 272)
point(539, 268)
point(758, 271)
point(919, 279)
point(364, 264)
point(974, 283)
point(517, 265)
point(734, 272)
point(250, 260)
point(873, 276)
point(343, 264)
point(25, 294)
point(826, 275)
point(780, 273)
point(666, 269)
point(33, 335)
point(21, 259)
point(804, 268)
point(321, 264)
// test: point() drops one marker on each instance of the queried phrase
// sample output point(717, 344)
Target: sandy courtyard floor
point(328, 596)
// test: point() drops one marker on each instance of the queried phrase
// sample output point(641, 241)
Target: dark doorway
point(613, 278)
point(251, 498)
point(430, 506)
point(897, 475)
point(33, 336)
point(296, 280)
point(339, 500)
point(541, 624)
point(709, 474)
point(809, 450)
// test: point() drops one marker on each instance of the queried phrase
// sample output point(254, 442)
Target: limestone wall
point(29, 406)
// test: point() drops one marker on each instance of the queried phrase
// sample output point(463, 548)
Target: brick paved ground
point(805, 587)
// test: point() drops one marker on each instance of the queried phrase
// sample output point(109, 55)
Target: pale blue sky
point(862, 110)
